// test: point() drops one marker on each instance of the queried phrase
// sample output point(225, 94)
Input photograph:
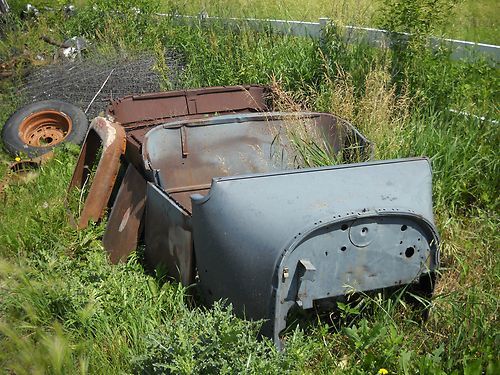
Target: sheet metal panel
point(247, 227)
point(168, 237)
point(147, 109)
point(124, 226)
point(184, 156)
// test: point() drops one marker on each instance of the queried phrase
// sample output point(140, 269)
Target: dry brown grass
point(380, 113)
point(303, 144)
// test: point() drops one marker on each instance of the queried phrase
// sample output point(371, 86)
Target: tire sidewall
point(10, 131)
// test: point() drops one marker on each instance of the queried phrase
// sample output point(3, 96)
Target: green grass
point(64, 309)
point(477, 21)
point(472, 20)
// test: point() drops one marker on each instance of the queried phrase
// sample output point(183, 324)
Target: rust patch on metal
point(124, 224)
point(112, 138)
point(45, 128)
point(156, 108)
point(184, 145)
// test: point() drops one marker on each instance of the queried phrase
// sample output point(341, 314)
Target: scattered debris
point(30, 12)
point(69, 10)
point(75, 47)
point(25, 165)
point(70, 49)
point(208, 178)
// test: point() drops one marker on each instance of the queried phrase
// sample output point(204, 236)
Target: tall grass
point(64, 309)
point(471, 20)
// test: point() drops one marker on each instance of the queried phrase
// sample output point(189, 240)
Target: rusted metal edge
point(125, 221)
point(111, 136)
point(191, 92)
point(136, 111)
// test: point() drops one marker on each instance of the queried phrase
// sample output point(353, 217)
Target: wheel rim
point(45, 128)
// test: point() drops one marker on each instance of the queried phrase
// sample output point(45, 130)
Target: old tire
point(36, 128)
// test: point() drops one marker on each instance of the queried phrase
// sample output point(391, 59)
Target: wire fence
point(79, 81)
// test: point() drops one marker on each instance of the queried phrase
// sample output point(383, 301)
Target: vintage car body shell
point(210, 181)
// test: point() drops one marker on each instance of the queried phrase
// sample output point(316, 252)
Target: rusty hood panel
point(149, 109)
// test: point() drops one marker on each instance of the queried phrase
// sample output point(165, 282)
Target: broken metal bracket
point(307, 273)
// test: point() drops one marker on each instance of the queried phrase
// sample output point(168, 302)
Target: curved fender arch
point(297, 272)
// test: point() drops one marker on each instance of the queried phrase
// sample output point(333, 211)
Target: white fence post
point(323, 24)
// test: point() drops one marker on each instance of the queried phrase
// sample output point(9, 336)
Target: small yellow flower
point(382, 371)
point(18, 158)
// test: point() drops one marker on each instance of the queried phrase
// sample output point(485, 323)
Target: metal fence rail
point(459, 49)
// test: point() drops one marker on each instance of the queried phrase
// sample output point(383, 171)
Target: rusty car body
point(209, 180)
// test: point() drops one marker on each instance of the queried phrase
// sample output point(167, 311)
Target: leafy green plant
point(419, 18)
